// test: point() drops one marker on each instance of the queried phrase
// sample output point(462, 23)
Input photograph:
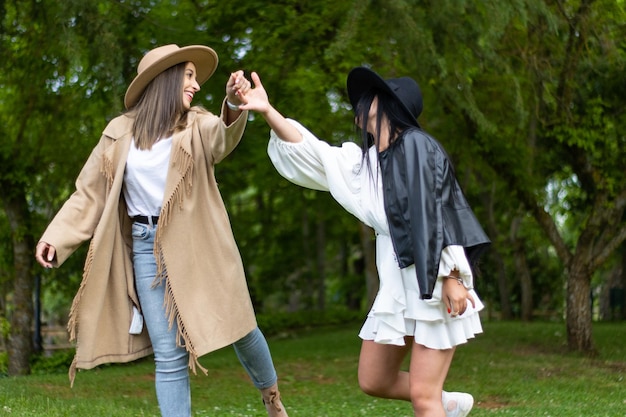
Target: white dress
point(398, 310)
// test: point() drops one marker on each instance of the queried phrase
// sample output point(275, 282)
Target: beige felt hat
point(163, 57)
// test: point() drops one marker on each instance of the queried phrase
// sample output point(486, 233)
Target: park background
point(527, 96)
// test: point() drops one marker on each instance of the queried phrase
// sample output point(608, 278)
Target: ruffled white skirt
point(398, 310)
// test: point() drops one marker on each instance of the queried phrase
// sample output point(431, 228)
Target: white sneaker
point(457, 404)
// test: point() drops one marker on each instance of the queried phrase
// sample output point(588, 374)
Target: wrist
point(232, 106)
point(456, 278)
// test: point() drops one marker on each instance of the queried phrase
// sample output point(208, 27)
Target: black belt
point(146, 219)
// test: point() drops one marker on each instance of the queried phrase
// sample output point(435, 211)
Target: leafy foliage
point(526, 96)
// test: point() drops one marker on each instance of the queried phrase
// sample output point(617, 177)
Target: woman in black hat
point(401, 183)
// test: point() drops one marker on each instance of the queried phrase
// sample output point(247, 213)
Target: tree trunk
point(20, 346)
point(526, 284)
point(611, 287)
point(521, 268)
point(308, 253)
point(617, 302)
point(371, 273)
point(506, 311)
point(4, 290)
point(320, 239)
point(578, 310)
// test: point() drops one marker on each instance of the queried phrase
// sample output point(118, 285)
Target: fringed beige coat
point(206, 289)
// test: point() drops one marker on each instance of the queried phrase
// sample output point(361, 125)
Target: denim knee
point(254, 354)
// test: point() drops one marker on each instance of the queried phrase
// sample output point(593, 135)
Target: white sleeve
point(453, 257)
point(315, 164)
point(300, 162)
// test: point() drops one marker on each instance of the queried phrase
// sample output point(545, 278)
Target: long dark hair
point(388, 106)
point(160, 110)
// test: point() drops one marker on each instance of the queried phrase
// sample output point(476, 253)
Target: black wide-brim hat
point(404, 89)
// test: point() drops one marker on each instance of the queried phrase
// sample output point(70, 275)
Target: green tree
point(525, 94)
point(537, 82)
point(575, 112)
point(292, 239)
point(59, 84)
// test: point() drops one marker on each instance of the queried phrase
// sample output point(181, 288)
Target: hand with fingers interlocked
point(236, 86)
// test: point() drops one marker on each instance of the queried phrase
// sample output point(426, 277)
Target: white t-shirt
point(144, 178)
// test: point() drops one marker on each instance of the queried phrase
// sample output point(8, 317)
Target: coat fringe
point(182, 338)
point(72, 372)
point(107, 170)
point(183, 161)
point(72, 323)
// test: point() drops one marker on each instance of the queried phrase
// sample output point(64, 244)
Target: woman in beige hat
point(401, 183)
point(162, 251)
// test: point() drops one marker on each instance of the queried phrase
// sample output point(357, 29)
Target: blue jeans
point(172, 371)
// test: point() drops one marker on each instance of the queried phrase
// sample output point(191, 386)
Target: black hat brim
point(362, 79)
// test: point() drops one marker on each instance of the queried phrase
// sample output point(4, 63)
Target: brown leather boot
point(273, 405)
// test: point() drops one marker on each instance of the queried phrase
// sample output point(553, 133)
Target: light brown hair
point(160, 111)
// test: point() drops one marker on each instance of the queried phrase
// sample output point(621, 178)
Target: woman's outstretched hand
point(255, 99)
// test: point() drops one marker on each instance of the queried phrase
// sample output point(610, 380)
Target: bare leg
point(379, 370)
point(428, 371)
point(380, 375)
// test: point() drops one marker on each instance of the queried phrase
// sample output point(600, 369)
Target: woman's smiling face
point(190, 84)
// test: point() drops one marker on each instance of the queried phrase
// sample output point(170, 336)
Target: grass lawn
point(513, 369)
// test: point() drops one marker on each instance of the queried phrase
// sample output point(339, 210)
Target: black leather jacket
point(425, 206)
